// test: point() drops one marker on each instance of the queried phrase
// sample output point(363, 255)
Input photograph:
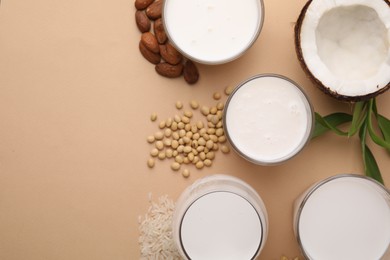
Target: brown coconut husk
point(316, 81)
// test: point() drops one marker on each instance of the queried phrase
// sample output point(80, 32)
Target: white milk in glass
point(345, 217)
point(220, 218)
point(268, 119)
point(212, 31)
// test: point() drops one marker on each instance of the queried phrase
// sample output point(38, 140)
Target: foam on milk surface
point(267, 118)
point(345, 219)
point(212, 30)
point(221, 225)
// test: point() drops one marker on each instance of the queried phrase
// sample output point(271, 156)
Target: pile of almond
point(154, 44)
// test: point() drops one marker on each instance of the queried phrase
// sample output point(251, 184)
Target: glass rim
point(259, 27)
point(309, 129)
point(319, 184)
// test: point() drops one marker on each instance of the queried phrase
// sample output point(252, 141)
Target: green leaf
point(371, 168)
point(330, 122)
point(357, 118)
point(377, 139)
point(384, 125)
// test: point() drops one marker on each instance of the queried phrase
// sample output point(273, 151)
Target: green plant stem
point(358, 118)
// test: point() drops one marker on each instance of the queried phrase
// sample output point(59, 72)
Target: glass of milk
point(220, 217)
point(344, 217)
point(213, 31)
point(268, 119)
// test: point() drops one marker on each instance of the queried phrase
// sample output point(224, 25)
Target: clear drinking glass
point(212, 32)
point(346, 216)
point(268, 119)
point(220, 217)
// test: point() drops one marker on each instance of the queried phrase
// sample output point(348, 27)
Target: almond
point(191, 74)
point(142, 21)
point(150, 42)
point(154, 10)
point(170, 54)
point(149, 55)
point(142, 4)
point(159, 31)
point(168, 70)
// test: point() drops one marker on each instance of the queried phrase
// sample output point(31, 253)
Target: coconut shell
point(316, 81)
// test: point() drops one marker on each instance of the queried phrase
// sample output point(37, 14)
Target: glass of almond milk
point(220, 217)
point(268, 119)
point(213, 31)
point(344, 217)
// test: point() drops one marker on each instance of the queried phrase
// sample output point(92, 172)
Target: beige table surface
point(75, 101)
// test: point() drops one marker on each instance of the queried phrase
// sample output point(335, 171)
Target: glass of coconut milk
point(213, 31)
point(344, 217)
point(268, 119)
point(220, 217)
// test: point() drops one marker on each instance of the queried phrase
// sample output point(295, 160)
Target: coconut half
point(344, 46)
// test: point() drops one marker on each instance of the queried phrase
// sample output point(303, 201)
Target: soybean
point(217, 96)
point(225, 149)
point(159, 145)
point(205, 110)
point(150, 162)
point(158, 135)
point(186, 173)
point(179, 105)
point(162, 125)
point(168, 132)
point(161, 155)
point(199, 165)
point(209, 144)
point(175, 166)
point(185, 119)
point(154, 152)
point(168, 123)
point(188, 113)
point(219, 132)
point(179, 159)
point(180, 125)
point(187, 149)
point(228, 90)
point(194, 104)
point(207, 162)
point(153, 117)
point(169, 153)
point(150, 139)
point(213, 110)
point(177, 118)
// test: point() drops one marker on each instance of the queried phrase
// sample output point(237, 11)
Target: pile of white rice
point(155, 240)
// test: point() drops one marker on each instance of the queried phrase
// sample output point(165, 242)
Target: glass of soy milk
point(213, 31)
point(268, 119)
point(220, 217)
point(344, 217)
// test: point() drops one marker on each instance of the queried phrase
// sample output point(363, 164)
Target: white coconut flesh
point(346, 45)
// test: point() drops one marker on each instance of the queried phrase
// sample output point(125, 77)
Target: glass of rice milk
point(212, 31)
point(268, 119)
point(344, 217)
point(220, 217)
